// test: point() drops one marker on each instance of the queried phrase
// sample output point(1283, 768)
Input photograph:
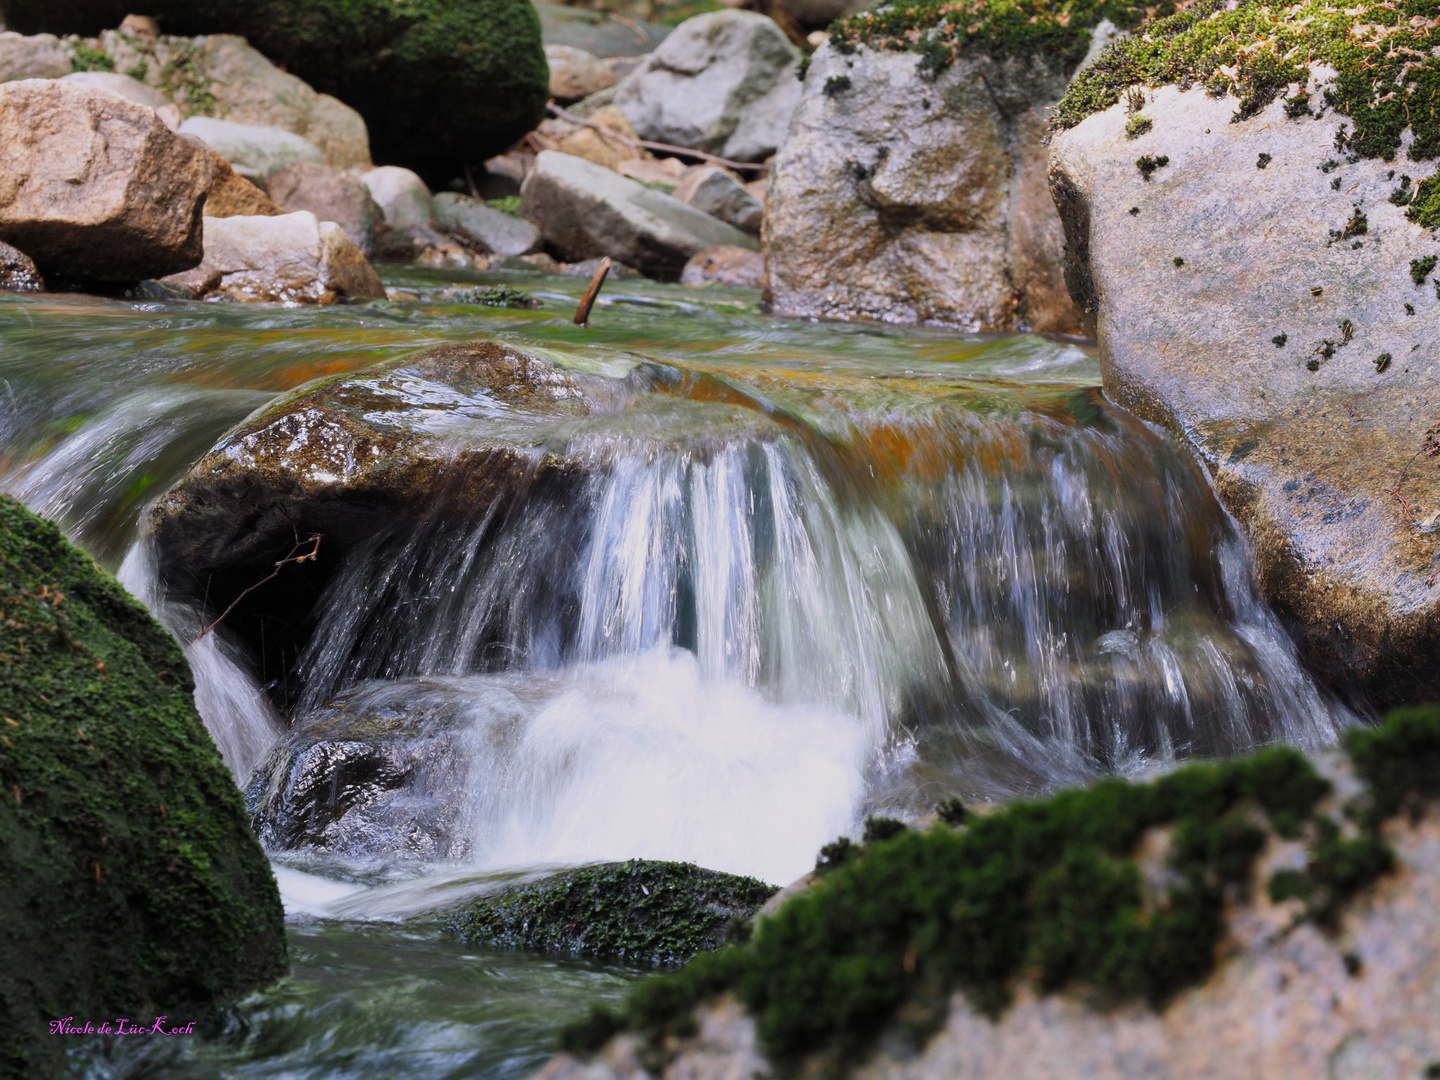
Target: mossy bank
point(133, 886)
point(641, 911)
point(1117, 893)
point(440, 83)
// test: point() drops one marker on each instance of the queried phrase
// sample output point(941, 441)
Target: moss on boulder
point(944, 30)
point(651, 912)
point(132, 884)
point(1119, 890)
point(439, 82)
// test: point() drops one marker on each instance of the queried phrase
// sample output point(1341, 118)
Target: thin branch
point(582, 313)
point(646, 144)
point(314, 538)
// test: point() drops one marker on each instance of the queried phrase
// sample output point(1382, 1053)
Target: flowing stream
point(808, 572)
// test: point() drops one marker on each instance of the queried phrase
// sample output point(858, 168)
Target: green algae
point(498, 296)
point(941, 31)
point(132, 883)
point(1052, 890)
point(645, 911)
point(87, 58)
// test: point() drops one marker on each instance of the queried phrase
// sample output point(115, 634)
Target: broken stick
point(582, 313)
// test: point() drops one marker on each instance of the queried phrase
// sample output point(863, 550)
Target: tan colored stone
point(331, 196)
point(96, 187)
point(575, 73)
point(600, 148)
point(906, 200)
point(734, 266)
point(141, 27)
point(1322, 468)
point(232, 195)
point(290, 259)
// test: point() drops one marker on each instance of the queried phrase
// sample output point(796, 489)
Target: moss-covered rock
point(439, 82)
point(132, 884)
point(1120, 891)
point(651, 912)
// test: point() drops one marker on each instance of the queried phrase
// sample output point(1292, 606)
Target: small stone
point(17, 272)
point(735, 267)
point(402, 196)
point(575, 73)
point(718, 192)
point(140, 27)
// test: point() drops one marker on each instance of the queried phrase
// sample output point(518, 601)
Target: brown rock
point(232, 195)
point(330, 196)
point(734, 266)
point(575, 73)
point(17, 272)
point(597, 146)
point(1260, 350)
point(140, 27)
point(96, 187)
point(906, 200)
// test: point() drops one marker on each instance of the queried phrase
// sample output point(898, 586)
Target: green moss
point(1383, 361)
point(508, 204)
point(941, 30)
point(501, 296)
point(183, 82)
point(1051, 890)
point(1137, 125)
point(652, 912)
point(1149, 165)
point(836, 84)
point(1387, 80)
point(1279, 340)
point(1424, 208)
point(86, 58)
point(1263, 160)
point(132, 882)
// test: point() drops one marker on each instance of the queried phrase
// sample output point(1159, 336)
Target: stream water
point(813, 571)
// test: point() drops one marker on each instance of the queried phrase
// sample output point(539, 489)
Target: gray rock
point(719, 194)
point(17, 272)
point(402, 196)
point(575, 73)
point(40, 56)
point(584, 210)
point(128, 88)
point(735, 267)
point(1325, 468)
point(906, 200)
point(483, 227)
point(723, 82)
point(330, 196)
point(251, 150)
point(96, 187)
point(292, 259)
point(596, 32)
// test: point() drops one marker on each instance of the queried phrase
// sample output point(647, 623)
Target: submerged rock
point(1268, 297)
point(132, 882)
point(94, 187)
point(908, 195)
point(723, 82)
point(292, 258)
point(642, 911)
point(585, 211)
point(17, 272)
point(1135, 949)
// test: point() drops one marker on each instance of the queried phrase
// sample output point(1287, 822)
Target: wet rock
point(721, 195)
point(402, 197)
point(251, 150)
point(575, 73)
point(723, 82)
point(292, 259)
point(330, 196)
point(902, 199)
point(484, 228)
point(585, 211)
point(17, 272)
point(1248, 310)
point(42, 56)
point(641, 911)
point(733, 266)
point(131, 876)
point(232, 195)
point(96, 187)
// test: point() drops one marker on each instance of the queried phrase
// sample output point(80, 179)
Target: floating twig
point(646, 144)
point(582, 313)
point(313, 540)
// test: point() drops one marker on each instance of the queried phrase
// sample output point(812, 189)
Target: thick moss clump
point(942, 30)
point(1387, 78)
point(439, 82)
point(132, 884)
point(652, 912)
point(1052, 890)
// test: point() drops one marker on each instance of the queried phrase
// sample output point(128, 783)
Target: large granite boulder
point(1267, 917)
point(94, 187)
point(909, 195)
point(723, 82)
point(252, 151)
point(290, 259)
point(584, 210)
point(1260, 280)
point(439, 82)
point(330, 196)
point(132, 883)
